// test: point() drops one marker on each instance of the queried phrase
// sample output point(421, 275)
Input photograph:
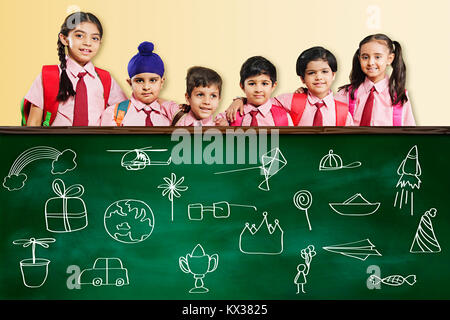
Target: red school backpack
point(396, 112)
point(299, 104)
point(50, 83)
point(278, 113)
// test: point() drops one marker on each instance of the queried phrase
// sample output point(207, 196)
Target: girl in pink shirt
point(374, 98)
point(75, 93)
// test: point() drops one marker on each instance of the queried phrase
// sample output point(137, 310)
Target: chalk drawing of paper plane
point(138, 159)
point(356, 205)
point(361, 249)
point(271, 163)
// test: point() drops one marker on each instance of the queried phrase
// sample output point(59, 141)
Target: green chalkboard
point(129, 221)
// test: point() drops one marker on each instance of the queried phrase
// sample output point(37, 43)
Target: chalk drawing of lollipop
point(303, 200)
point(63, 161)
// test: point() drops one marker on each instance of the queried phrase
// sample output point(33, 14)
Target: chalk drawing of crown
point(264, 239)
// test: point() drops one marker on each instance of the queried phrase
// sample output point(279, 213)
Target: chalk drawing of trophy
point(199, 264)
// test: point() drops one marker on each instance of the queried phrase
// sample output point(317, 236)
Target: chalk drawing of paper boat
point(356, 205)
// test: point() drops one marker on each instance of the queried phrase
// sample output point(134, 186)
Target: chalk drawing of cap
point(332, 161)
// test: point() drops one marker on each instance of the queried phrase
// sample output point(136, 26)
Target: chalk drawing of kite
point(272, 162)
point(138, 159)
point(63, 161)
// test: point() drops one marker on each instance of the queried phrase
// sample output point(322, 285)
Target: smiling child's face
point(146, 86)
point(204, 101)
point(83, 42)
point(258, 89)
point(374, 57)
point(318, 78)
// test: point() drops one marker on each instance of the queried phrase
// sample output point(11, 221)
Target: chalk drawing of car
point(106, 271)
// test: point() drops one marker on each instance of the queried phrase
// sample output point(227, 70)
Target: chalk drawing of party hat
point(425, 240)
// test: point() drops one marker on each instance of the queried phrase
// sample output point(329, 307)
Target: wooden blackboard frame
point(422, 130)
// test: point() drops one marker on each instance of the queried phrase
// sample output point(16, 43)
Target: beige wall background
point(222, 34)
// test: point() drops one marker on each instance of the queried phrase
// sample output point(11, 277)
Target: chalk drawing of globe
point(129, 221)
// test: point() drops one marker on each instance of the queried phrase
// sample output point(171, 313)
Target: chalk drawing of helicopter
point(138, 159)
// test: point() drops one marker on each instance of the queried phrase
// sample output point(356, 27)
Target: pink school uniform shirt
point(136, 115)
point(382, 112)
point(187, 120)
point(328, 110)
point(264, 115)
point(96, 101)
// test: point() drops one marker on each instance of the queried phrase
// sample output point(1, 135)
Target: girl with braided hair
point(73, 93)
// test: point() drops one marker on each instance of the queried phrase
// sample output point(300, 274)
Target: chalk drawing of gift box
point(67, 211)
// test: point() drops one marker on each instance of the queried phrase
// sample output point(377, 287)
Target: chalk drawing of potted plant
point(34, 270)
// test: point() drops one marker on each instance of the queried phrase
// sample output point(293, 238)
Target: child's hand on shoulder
point(236, 106)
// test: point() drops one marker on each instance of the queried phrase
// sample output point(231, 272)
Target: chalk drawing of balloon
point(129, 221)
point(62, 161)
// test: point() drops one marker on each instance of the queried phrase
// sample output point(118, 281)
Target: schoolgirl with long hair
point(73, 93)
point(376, 98)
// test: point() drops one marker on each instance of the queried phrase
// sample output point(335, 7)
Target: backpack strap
point(279, 116)
point(238, 121)
point(352, 102)
point(298, 105)
point(341, 113)
point(120, 110)
point(397, 115)
point(50, 83)
point(105, 78)
point(184, 110)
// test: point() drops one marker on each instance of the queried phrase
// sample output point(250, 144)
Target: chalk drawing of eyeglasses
point(220, 210)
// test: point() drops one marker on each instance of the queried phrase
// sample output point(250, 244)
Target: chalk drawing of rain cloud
point(62, 161)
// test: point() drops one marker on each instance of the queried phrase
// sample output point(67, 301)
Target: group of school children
point(75, 93)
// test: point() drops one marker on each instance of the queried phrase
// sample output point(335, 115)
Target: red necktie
point(367, 112)
point(148, 120)
point(80, 109)
point(254, 122)
point(318, 121)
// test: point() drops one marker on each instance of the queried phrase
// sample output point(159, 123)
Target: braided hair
point(71, 22)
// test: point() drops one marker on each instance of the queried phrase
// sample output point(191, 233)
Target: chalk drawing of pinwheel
point(62, 161)
point(172, 188)
point(272, 162)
